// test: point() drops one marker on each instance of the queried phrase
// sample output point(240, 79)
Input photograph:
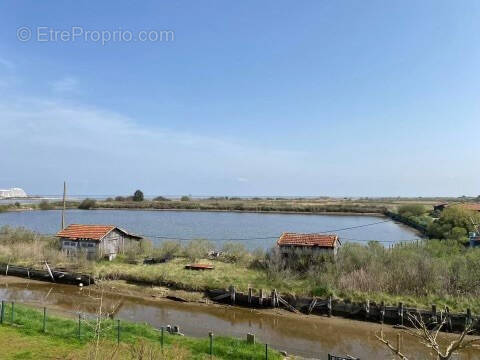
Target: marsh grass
point(431, 271)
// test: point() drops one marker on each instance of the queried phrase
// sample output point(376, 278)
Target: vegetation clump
point(138, 196)
point(87, 204)
point(45, 205)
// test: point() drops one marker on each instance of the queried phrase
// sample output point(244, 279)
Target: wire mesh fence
point(84, 328)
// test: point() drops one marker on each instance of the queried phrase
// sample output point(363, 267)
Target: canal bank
point(305, 335)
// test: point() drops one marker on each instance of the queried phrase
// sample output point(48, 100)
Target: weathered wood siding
point(308, 250)
point(72, 247)
point(111, 245)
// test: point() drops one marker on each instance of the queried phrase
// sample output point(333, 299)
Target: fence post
point(210, 335)
point(13, 312)
point(2, 314)
point(44, 319)
point(266, 351)
point(232, 294)
point(118, 331)
point(382, 312)
point(161, 338)
point(449, 319)
point(468, 318)
point(79, 326)
point(329, 306)
point(400, 313)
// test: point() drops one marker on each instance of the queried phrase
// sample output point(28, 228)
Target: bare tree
point(101, 326)
point(428, 337)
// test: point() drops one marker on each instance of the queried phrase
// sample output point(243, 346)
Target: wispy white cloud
point(106, 152)
point(65, 85)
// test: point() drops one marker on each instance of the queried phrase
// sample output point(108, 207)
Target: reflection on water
point(311, 336)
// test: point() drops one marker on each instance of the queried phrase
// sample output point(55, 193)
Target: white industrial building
point(12, 193)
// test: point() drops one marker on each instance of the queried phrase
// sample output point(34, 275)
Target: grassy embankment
point(26, 340)
point(300, 205)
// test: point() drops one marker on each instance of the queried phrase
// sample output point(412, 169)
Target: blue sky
point(339, 98)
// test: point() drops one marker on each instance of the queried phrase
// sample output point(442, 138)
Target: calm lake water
point(252, 229)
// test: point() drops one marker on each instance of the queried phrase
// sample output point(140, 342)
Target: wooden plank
point(287, 305)
point(49, 271)
point(312, 305)
point(220, 297)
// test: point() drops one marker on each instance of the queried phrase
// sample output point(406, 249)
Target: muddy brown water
point(308, 336)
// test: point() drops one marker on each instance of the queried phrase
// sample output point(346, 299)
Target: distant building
point(12, 193)
point(473, 207)
point(468, 206)
point(308, 243)
point(97, 241)
point(474, 239)
point(440, 207)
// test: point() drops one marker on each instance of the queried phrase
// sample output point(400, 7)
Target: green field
point(26, 340)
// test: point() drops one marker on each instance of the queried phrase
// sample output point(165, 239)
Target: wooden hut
point(97, 241)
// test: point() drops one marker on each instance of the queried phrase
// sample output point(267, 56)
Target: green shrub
point(87, 204)
point(198, 249)
point(185, 198)
point(45, 205)
point(167, 250)
point(412, 210)
point(161, 198)
point(234, 252)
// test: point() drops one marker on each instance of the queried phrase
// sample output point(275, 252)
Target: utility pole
point(63, 209)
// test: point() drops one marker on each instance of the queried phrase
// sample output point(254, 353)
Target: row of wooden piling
point(367, 311)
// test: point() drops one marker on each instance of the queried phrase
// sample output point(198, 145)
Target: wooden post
point(434, 312)
point(266, 351)
point(329, 306)
point(382, 312)
point(400, 313)
point(161, 338)
point(210, 335)
point(367, 309)
point(118, 331)
point(44, 319)
point(13, 312)
point(468, 318)
point(398, 342)
point(449, 319)
point(232, 294)
point(63, 208)
point(249, 296)
point(250, 338)
point(260, 300)
point(79, 326)
point(2, 314)
point(274, 298)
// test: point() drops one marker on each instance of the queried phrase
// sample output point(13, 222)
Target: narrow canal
point(309, 336)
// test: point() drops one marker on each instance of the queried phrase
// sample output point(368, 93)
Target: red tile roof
point(91, 232)
point(474, 207)
point(295, 239)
